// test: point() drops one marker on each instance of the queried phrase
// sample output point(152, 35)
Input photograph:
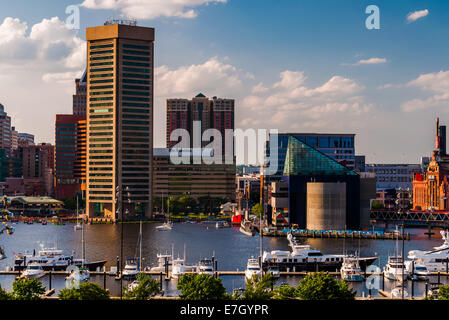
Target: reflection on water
point(231, 248)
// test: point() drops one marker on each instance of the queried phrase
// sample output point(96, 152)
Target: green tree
point(258, 289)
point(201, 287)
point(444, 292)
point(377, 205)
point(4, 295)
point(27, 289)
point(322, 286)
point(257, 209)
point(86, 291)
point(284, 292)
point(146, 289)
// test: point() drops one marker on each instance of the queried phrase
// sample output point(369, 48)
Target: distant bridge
point(434, 218)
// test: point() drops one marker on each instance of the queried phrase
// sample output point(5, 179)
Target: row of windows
point(140, 53)
point(101, 52)
point(101, 70)
point(136, 70)
point(135, 46)
point(101, 75)
point(101, 58)
point(101, 46)
point(136, 58)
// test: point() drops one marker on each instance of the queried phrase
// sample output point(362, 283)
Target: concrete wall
point(367, 192)
point(326, 205)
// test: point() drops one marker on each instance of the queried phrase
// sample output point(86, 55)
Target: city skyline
point(373, 83)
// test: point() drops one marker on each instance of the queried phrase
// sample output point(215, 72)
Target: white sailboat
point(78, 225)
point(133, 285)
point(168, 225)
point(80, 274)
point(254, 266)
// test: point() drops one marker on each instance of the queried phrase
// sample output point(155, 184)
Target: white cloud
point(413, 16)
point(290, 104)
point(209, 77)
point(371, 61)
point(437, 84)
point(150, 9)
point(39, 64)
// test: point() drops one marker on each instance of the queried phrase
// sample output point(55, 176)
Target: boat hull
point(314, 266)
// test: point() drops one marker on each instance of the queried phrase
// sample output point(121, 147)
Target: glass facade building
point(305, 166)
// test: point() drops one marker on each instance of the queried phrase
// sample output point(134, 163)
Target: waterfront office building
point(192, 180)
point(70, 155)
point(339, 147)
point(119, 120)
point(394, 176)
point(215, 113)
point(5, 131)
point(80, 96)
point(323, 193)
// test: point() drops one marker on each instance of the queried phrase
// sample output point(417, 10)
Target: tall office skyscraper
point(70, 147)
point(119, 120)
point(213, 113)
point(5, 131)
point(80, 98)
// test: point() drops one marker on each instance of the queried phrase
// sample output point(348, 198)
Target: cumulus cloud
point(371, 61)
point(290, 104)
point(150, 9)
point(38, 64)
point(209, 76)
point(436, 84)
point(413, 16)
point(48, 41)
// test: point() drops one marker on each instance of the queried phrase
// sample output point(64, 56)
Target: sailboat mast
point(82, 243)
point(140, 247)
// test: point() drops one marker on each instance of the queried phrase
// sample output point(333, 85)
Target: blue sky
point(291, 65)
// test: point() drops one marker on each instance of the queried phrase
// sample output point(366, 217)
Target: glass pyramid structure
point(302, 159)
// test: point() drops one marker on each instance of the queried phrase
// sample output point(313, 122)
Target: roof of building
point(200, 95)
point(37, 200)
point(302, 159)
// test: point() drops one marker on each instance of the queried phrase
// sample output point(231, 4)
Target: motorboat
point(246, 228)
point(205, 266)
point(33, 271)
point(161, 258)
point(222, 224)
point(78, 275)
point(131, 268)
point(178, 268)
point(166, 226)
point(395, 269)
point(2, 254)
point(397, 291)
point(436, 260)
point(304, 258)
point(253, 268)
point(53, 259)
point(350, 269)
point(417, 271)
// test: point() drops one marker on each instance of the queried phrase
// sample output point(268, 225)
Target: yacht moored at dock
point(350, 269)
point(395, 269)
point(253, 268)
point(52, 259)
point(304, 258)
point(436, 260)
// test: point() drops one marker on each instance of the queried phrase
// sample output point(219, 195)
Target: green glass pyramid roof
point(302, 159)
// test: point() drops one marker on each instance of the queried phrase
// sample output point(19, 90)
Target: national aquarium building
point(323, 194)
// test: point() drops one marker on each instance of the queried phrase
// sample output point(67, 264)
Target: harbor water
point(230, 247)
